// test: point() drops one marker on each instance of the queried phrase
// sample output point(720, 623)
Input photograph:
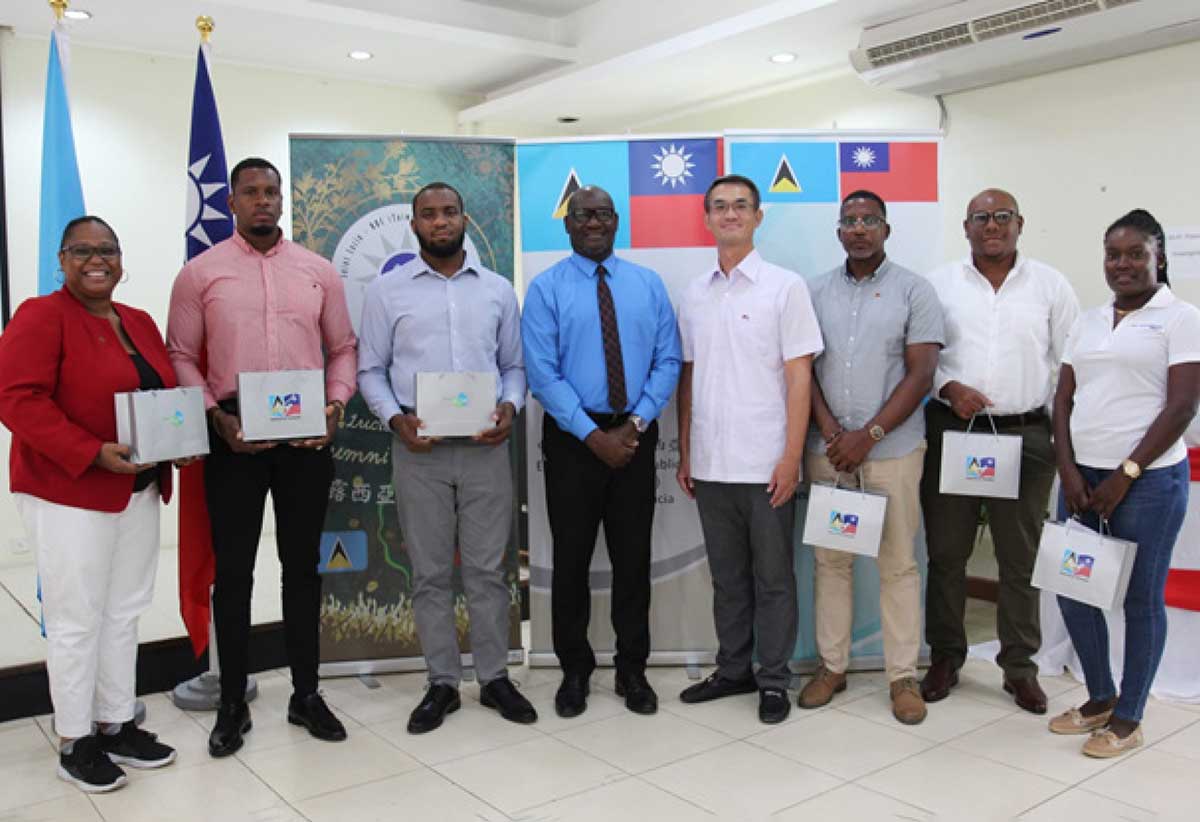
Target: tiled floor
point(977, 757)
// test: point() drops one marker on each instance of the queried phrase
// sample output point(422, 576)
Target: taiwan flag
point(667, 181)
point(897, 172)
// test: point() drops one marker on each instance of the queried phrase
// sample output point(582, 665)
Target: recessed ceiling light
point(359, 54)
point(568, 119)
point(783, 57)
point(77, 14)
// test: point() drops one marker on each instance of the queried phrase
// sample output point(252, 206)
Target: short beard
point(263, 230)
point(442, 250)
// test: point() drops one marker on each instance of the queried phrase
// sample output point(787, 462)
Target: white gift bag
point(979, 464)
point(281, 405)
point(160, 425)
point(456, 403)
point(1081, 564)
point(845, 519)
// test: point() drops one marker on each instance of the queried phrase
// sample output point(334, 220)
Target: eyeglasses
point(740, 207)
point(1002, 216)
point(83, 253)
point(869, 221)
point(585, 215)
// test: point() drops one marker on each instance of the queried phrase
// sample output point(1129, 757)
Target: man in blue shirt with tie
point(602, 355)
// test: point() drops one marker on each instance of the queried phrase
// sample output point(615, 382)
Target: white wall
point(1078, 148)
point(131, 115)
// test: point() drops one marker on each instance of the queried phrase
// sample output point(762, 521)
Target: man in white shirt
point(1007, 318)
point(749, 337)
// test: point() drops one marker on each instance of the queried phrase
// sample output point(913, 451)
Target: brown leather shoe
point(1027, 693)
point(939, 679)
point(821, 688)
point(907, 705)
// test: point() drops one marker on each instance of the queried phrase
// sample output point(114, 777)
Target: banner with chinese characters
point(657, 185)
point(352, 203)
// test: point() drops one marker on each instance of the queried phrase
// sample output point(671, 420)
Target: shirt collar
point(588, 266)
point(1161, 299)
point(1018, 265)
point(876, 275)
point(750, 267)
point(245, 246)
point(421, 267)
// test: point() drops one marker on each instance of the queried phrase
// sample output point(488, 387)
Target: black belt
point(1036, 415)
point(607, 420)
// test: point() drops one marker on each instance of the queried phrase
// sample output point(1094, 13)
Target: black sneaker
point(136, 748)
point(88, 767)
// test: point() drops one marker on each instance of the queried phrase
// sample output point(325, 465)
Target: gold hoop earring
point(125, 278)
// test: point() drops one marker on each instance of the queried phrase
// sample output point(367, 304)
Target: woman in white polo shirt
point(1128, 388)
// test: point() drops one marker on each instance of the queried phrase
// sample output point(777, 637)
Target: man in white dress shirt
point(1007, 318)
point(749, 337)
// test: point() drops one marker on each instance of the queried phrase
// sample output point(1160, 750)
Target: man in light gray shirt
point(437, 313)
point(883, 328)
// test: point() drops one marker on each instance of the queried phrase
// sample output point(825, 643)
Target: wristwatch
point(638, 423)
point(1131, 469)
point(877, 433)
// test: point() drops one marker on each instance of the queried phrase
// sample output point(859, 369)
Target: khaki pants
point(899, 579)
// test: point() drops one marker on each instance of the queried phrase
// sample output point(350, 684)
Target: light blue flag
point(62, 193)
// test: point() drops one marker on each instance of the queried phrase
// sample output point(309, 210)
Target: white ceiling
point(615, 64)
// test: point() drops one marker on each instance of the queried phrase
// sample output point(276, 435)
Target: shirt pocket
point(300, 300)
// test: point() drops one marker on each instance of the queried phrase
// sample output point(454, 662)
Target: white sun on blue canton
point(199, 211)
point(672, 165)
point(864, 157)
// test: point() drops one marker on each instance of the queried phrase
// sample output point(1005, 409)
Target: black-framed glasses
point(82, 252)
point(869, 221)
point(585, 215)
point(1002, 216)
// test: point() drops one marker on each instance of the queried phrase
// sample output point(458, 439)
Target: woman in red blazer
point(91, 513)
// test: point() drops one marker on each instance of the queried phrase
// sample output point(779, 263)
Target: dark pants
point(237, 485)
point(582, 492)
point(750, 550)
point(951, 524)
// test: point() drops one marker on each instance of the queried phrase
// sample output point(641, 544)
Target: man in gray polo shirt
point(883, 328)
point(441, 313)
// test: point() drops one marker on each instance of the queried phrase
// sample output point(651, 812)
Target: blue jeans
point(1150, 515)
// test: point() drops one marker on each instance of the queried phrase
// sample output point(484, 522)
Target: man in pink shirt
point(258, 302)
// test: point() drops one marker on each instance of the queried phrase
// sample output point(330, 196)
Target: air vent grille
point(1033, 16)
point(931, 42)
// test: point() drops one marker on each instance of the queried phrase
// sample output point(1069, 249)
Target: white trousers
point(97, 575)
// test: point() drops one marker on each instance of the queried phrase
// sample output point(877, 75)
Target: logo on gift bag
point(981, 468)
point(175, 419)
point(843, 524)
point(461, 400)
point(1076, 565)
point(283, 406)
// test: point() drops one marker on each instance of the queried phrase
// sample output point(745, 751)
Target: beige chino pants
point(899, 578)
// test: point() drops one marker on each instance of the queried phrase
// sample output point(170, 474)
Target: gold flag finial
point(204, 24)
point(60, 8)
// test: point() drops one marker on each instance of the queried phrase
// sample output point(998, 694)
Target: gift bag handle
point(862, 482)
point(1105, 526)
point(995, 433)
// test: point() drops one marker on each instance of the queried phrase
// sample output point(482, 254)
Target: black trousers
point(582, 492)
point(298, 480)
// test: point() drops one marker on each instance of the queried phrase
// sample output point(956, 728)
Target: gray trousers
point(750, 553)
point(460, 492)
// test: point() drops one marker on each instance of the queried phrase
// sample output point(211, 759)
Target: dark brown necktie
point(611, 337)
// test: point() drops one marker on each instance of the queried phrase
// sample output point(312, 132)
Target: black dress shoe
point(312, 712)
point(502, 695)
point(571, 698)
point(939, 679)
point(233, 720)
point(639, 696)
point(715, 687)
point(1027, 693)
point(773, 705)
point(438, 701)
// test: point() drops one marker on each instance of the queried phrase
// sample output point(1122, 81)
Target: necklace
point(1122, 312)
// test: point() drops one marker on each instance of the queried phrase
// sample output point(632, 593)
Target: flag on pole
point(208, 223)
point(62, 193)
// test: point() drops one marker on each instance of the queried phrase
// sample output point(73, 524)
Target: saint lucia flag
point(208, 223)
point(62, 193)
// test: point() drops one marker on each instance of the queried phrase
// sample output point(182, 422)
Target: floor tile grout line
point(727, 741)
point(625, 777)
